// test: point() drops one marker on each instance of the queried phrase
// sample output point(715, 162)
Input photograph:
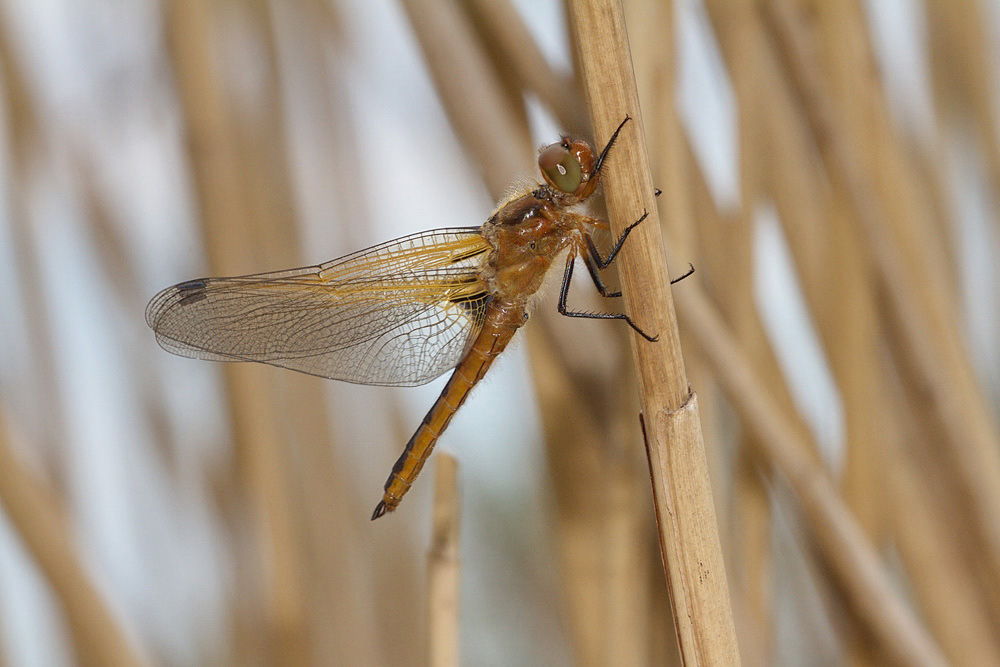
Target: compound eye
point(560, 168)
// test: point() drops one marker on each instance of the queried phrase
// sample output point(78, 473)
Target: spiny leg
point(563, 310)
point(596, 254)
point(602, 289)
point(607, 147)
point(595, 275)
point(594, 262)
point(686, 274)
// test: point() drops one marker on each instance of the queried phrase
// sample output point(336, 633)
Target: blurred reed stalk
point(921, 317)
point(36, 507)
point(272, 624)
point(443, 566)
point(726, 240)
point(280, 423)
point(845, 57)
point(40, 521)
point(836, 531)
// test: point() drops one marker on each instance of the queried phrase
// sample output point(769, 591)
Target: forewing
point(399, 313)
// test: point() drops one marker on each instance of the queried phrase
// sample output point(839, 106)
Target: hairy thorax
point(527, 233)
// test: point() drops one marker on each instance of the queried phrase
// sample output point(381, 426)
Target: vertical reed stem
point(689, 539)
point(443, 566)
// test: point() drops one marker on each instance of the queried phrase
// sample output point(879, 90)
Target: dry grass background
point(167, 511)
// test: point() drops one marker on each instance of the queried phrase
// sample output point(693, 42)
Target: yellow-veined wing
point(399, 313)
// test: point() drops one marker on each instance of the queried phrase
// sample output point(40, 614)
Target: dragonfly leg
point(685, 274)
point(592, 258)
point(563, 310)
point(602, 289)
point(607, 147)
point(593, 269)
point(603, 263)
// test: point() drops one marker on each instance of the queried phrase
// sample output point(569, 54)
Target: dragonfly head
point(568, 168)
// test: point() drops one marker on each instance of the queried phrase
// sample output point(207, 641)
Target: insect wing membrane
point(399, 313)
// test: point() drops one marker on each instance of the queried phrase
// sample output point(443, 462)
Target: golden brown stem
point(837, 533)
point(931, 352)
point(41, 524)
point(689, 539)
point(443, 567)
point(468, 87)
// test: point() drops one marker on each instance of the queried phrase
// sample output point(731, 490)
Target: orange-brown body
point(526, 234)
point(401, 313)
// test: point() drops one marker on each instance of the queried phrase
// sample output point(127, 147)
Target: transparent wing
point(399, 313)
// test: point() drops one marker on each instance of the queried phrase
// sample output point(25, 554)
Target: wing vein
point(399, 313)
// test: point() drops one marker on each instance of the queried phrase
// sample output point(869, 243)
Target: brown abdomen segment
point(500, 324)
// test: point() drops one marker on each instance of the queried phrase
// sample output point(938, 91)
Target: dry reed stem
point(868, 590)
point(27, 146)
point(213, 152)
point(655, 61)
point(930, 163)
point(798, 196)
point(41, 523)
point(854, 352)
point(334, 533)
point(962, 76)
point(807, 215)
point(524, 59)
point(443, 566)
point(852, 310)
point(462, 75)
point(961, 32)
point(689, 539)
point(937, 483)
point(730, 279)
point(595, 517)
point(951, 599)
point(919, 313)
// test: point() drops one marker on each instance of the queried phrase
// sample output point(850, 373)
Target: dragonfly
point(404, 312)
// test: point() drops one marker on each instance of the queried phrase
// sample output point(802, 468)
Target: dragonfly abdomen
point(501, 321)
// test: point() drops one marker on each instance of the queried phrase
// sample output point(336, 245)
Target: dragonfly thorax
point(526, 234)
